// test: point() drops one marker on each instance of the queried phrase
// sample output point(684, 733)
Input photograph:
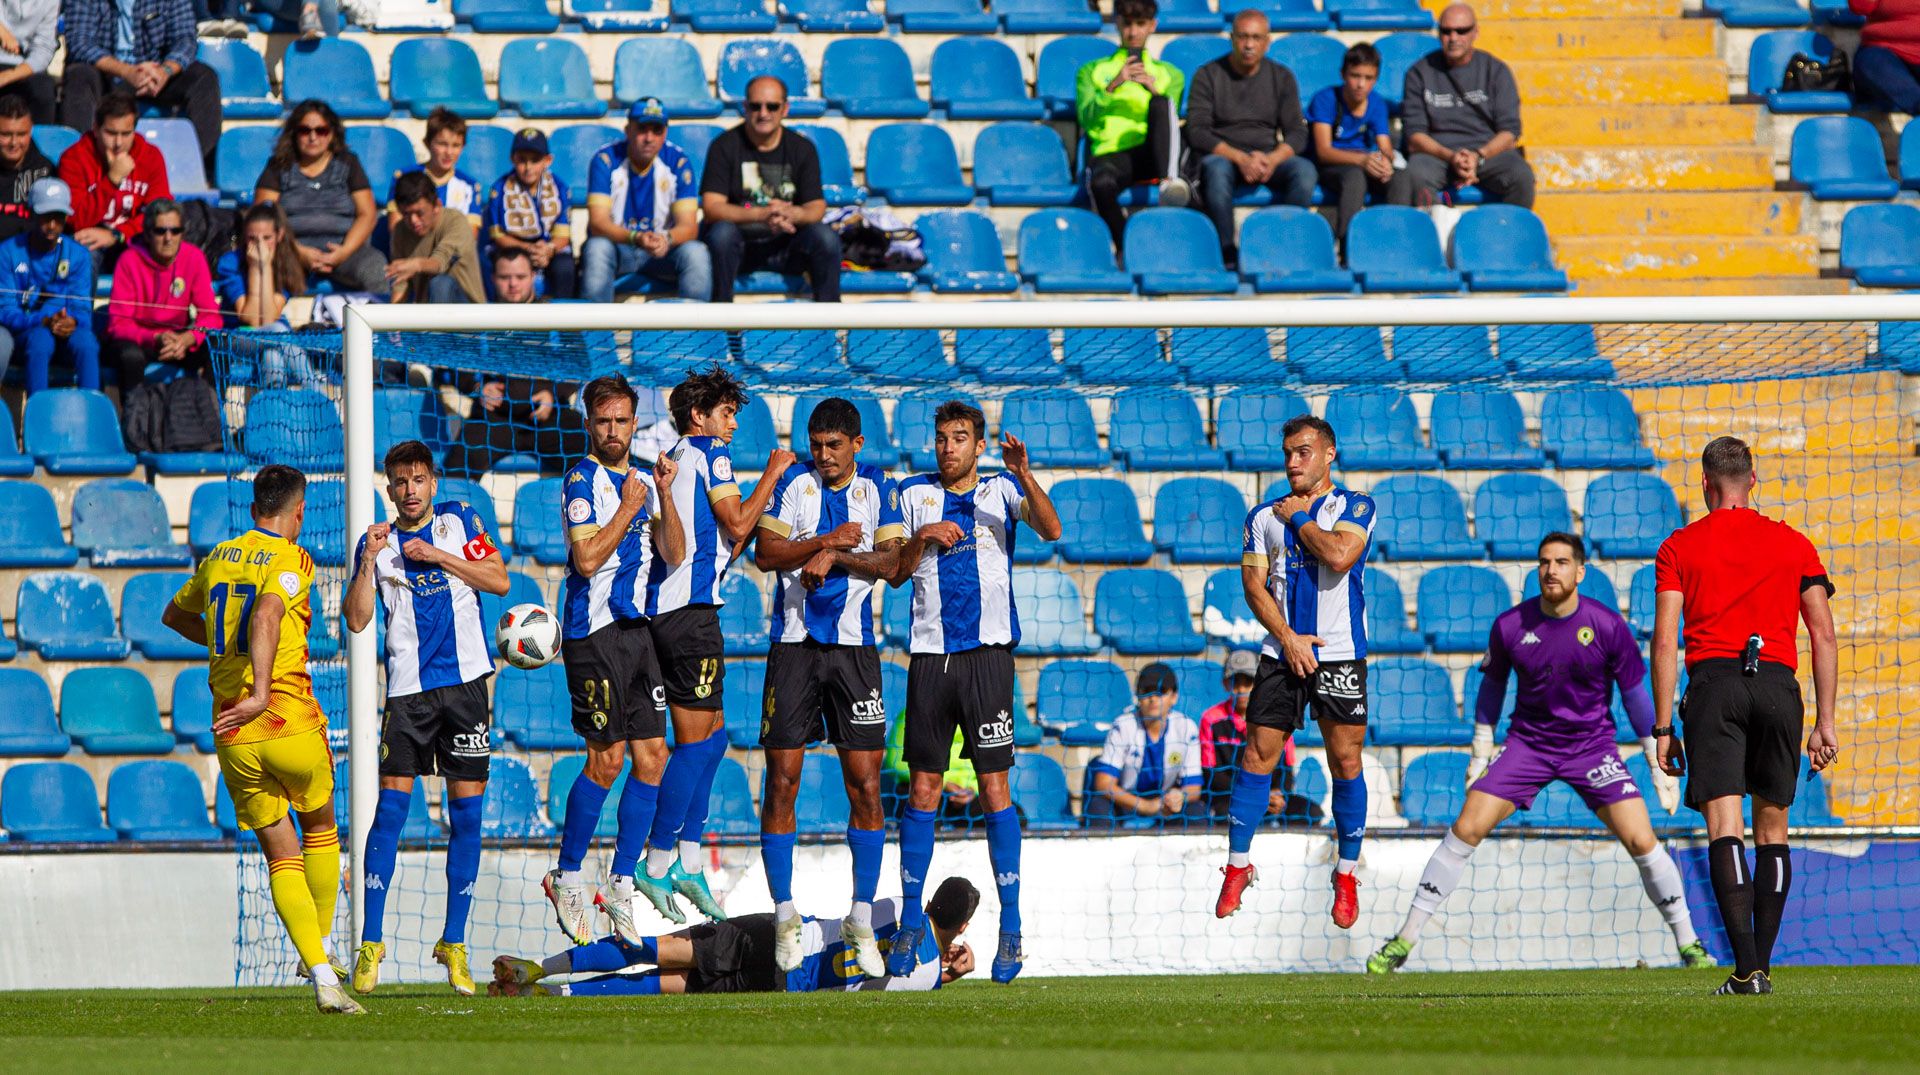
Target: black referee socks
point(1733, 889)
point(1772, 877)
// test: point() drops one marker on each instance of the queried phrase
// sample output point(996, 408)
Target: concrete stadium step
point(1666, 258)
point(1636, 81)
point(1751, 213)
point(1640, 125)
point(1495, 11)
point(1631, 287)
point(1825, 422)
point(1599, 39)
point(1670, 168)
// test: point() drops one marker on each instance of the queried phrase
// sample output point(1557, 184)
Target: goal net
point(1477, 426)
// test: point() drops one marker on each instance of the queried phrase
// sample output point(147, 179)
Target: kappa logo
point(907, 878)
point(1005, 879)
point(1429, 886)
point(373, 881)
point(1669, 901)
point(467, 889)
point(1529, 639)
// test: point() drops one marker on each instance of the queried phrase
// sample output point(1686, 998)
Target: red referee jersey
point(1741, 574)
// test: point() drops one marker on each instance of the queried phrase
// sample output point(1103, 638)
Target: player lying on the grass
point(736, 956)
point(1568, 653)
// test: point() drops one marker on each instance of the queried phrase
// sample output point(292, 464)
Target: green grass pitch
point(1822, 1019)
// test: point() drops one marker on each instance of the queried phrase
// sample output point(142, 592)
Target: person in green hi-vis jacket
point(1128, 106)
point(960, 805)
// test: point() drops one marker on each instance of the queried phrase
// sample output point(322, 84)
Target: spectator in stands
point(434, 256)
point(1150, 765)
point(28, 35)
point(1886, 69)
point(146, 47)
point(643, 212)
point(1223, 731)
point(1352, 142)
point(162, 305)
point(21, 166)
point(221, 18)
point(114, 175)
point(1128, 109)
point(254, 282)
point(46, 291)
point(762, 198)
point(1461, 117)
point(445, 140)
point(1243, 116)
point(527, 211)
point(327, 200)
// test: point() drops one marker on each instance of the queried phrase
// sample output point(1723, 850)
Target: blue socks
point(612, 953)
point(381, 850)
point(1349, 815)
point(618, 985)
point(685, 768)
point(776, 853)
point(583, 816)
point(1003, 851)
point(868, 847)
point(637, 802)
point(463, 864)
point(916, 858)
point(1246, 808)
point(709, 751)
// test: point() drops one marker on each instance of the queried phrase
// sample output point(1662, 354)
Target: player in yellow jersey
point(248, 604)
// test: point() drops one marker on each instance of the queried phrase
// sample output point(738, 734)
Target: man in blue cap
point(763, 202)
point(46, 291)
point(527, 210)
point(643, 212)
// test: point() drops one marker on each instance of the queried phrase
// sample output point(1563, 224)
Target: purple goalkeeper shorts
point(1521, 770)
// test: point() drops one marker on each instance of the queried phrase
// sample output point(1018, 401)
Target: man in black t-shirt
point(762, 201)
point(21, 165)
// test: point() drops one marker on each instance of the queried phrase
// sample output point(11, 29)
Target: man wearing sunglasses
point(1461, 118)
point(762, 198)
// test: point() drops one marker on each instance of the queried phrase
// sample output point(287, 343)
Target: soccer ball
point(528, 636)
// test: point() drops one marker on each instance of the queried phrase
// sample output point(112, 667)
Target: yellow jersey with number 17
point(222, 593)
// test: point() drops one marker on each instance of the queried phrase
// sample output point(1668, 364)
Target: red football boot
point(1346, 900)
point(1236, 881)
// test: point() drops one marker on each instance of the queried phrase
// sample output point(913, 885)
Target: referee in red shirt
point(1740, 579)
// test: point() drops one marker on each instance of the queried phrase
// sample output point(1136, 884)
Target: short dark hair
point(498, 255)
point(835, 415)
point(114, 105)
point(1727, 460)
point(601, 389)
point(444, 120)
point(704, 390)
point(1307, 421)
point(409, 453)
point(953, 904)
point(414, 187)
point(1561, 537)
point(1135, 11)
point(1360, 55)
point(14, 108)
point(276, 488)
point(959, 410)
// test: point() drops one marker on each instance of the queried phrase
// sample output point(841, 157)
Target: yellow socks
point(293, 901)
point(320, 853)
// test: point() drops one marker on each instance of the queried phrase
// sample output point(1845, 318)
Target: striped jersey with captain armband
point(617, 591)
point(829, 965)
point(704, 478)
point(963, 596)
point(840, 610)
point(435, 636)
point(1315, 599)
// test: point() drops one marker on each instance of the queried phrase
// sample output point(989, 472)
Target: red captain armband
point(479, 548)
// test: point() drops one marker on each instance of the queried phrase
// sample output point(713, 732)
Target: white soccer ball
point(528, 636)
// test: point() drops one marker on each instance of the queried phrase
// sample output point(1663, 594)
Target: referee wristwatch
point(1662, 732)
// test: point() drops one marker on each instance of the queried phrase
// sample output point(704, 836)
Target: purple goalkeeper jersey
point(1568, 669)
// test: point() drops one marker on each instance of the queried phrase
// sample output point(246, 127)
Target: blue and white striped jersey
point(828, 964)
point(963, 596)
point(617, 591)
point(705, 478)
point(435, 637)
point(839, 612)
point(1315, 600)
point(1145, 766)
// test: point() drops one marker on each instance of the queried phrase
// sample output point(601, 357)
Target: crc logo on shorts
point(660, 698)
point(1585, 635)
point(871, 710)
point(1341, 681)
point(997, 732)
point(1611, 771)
point(579, 510)
point(472, 744)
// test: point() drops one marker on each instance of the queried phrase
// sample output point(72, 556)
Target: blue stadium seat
point(1176, 252)
point(384, 152)
point(833, 16)
point(1188, 53)
point(53, 140)
point(1395, 248)
point(75, 431)
point(489, 153)
point(913, 424)
point(1457, 603)
point(1559, 352)
point(1505, 248)
point(419, 828)
point(1446, 352)
point(1840, 158)
point(112, 711)
point(30, 528)
point(475, 494)
point(754, 441)
point(1244, 426)
point(219, 510)
point(1592, 427)
point(836, 167)
point(408, 414)
point(1340, 354)
point(1386, 614)
point(1380, 430)
point(1398, 54)
point(1039, 788)
point(746, 59)
point(743, 619)
point(192, 709)
point(536, 522)
point(28, 727)
point(245, 92)
point(1596, 586)
point(1880, 245)
point(1421, 518)
point(566, 769)
point(1082, 694)
point(1198, 521)
point(1749, 14)
point(941, 17)
point(804, 354)
point(1144, 610)
point(730, 810)
point(1627, 516)
point(724, 16)
point(963, 252)
point(1285, 15)
point(1481, 429)
point(1314, 59)
point(1352, 15)
point(1642, 598)
point(14, 463)
point(1512, 512)
point(1211, 356)
point(511, 810)
point(1908, 166)
point(120, 522)
point(142, 600)
point(1057, 69)
point(879, 449)
point(574, 145)
point(915, 164)
point(325, 533)
point(1101, 522)
point(1022, 164)
point(743, 692)
point(1434, 788)
point(1117, 356)
point(65, 616)
point(665, 67)
point(821, 808)
point(902, 355)
point(51, 802)
point(425, 73)
point(1412, 704)
point(1053, 619)
point(1287, 249)
point(1066, 250)
point(870, 78)
point(1471, 697)
point(547, 79)
point(1224, 612)
point(1057, 426)
point(1021, 356)
point(336, 70)
point(506, 17)
point(1835, 13)
point(1188, 16)
point(980, 78)
point(1046, 17)
point(158, 800)
point(1157, 429)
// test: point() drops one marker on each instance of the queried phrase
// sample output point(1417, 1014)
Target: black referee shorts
point(443, 731)
point(1742, 733)
point(816, 691)
point(1337, 692)
point(734, 956)
point(614, 684)
point(972, 691)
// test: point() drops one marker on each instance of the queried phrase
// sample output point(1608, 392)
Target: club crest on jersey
point(1360, 510)
point(290, 582)
point(723, 469)
point(578, 510)
point(59, 270)
point(1585, 635)
point(859, 492)
point(178, 287)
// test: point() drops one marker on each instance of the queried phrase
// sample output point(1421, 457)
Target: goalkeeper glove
point(1665, 786)
point(1482, 752)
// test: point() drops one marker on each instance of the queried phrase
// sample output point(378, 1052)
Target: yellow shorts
point(268, 777)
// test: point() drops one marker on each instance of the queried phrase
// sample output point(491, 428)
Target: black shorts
point(1337, 691)
point(972, 691)
point(614, 683)
point(443, 731)
point(734, 956)
point(1742, 733)
point(692, 656)
point(816, 691)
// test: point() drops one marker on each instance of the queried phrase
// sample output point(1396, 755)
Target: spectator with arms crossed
point(762, 198)
point(1243, 113)
point(642, 212)
point(1460, 113)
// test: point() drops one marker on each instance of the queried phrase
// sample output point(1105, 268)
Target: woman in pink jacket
point(162, 303)
point(1885, 68)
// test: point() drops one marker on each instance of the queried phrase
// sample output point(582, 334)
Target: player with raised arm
point(960, 557)
point(429, 567)
point(613, 679)
point(1569, 653)
point(736, 956)
point(1302, 570)
point(248, 604)
point(832, 530)
point(683, 607)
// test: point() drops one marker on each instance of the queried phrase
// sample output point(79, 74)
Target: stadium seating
point(730, 810)
point(1505, 248)
point(1880, 245)
point(1224, 611)
point(1314, 59)
point(13, 462)
point(242, 155)
point(808, 354)
point(724, 17)
point(1340, 354)
point(1015, 357)
point(1840, 158)
point(1457, 603)
point(1039, 788)
point(1641, 598)
point(1748, 14)
point(745, 59)
point(53, 140)
point(1024, 164)
point(1101, 522)
point(1046, 17)
point(1351, 15)
point(1434, 788)
point(158, 800)
point(1395, 248)
point(51, 802)
point(1512, 512)
point(536, 522)
point(65, 616)
point(180, 148)
point(244, 90)
point(1286, 249)
point(1767, 65)
point(573, 147)
point(754, 441)
point(142, 600)
point(111, 710)
point(1386, 612)
point(28, 727)
point(832, 16)
point(1421, 518)
point(1198, 521)
point(1063, 249)
point(1563, 352)
point(30, 528)
point(1053, 619)
point(1245, 423)
point(1478, 428)
point(669, 68)
point(1592, 427)
point(821, 808)
point(1225, 356)
point(1056, 425)
point(531, 710)
point(1470, 695)
point(1381, 430)
point(1446, 352)
point(1144, 610)
point(336, 70)
point(742, 693)
point(1077, 700)
point(1557, 806)
point(1412, 704)
point(941, 17)
point(879, 449)
point(1058, 68)
point(870, 79)
point(1398, 54)
point(1908, 164)
point(963, 252)
point(914, 164)
point(384, 152)
point(75, 431)
point(511, 810)
point(547, 79)
point(425, 73)
point(1188, 53)
point(408, 414)
point(566, 769)
point(743, 619)
point(913, 424)
point(192, 709)
point(1176, 252)
point(980, 78)
point(1627, 516)
point(419, 828)
point(1117, 356)
point(296, 427)
point(120, 522)
point(836, 168)
point(1155, 429)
